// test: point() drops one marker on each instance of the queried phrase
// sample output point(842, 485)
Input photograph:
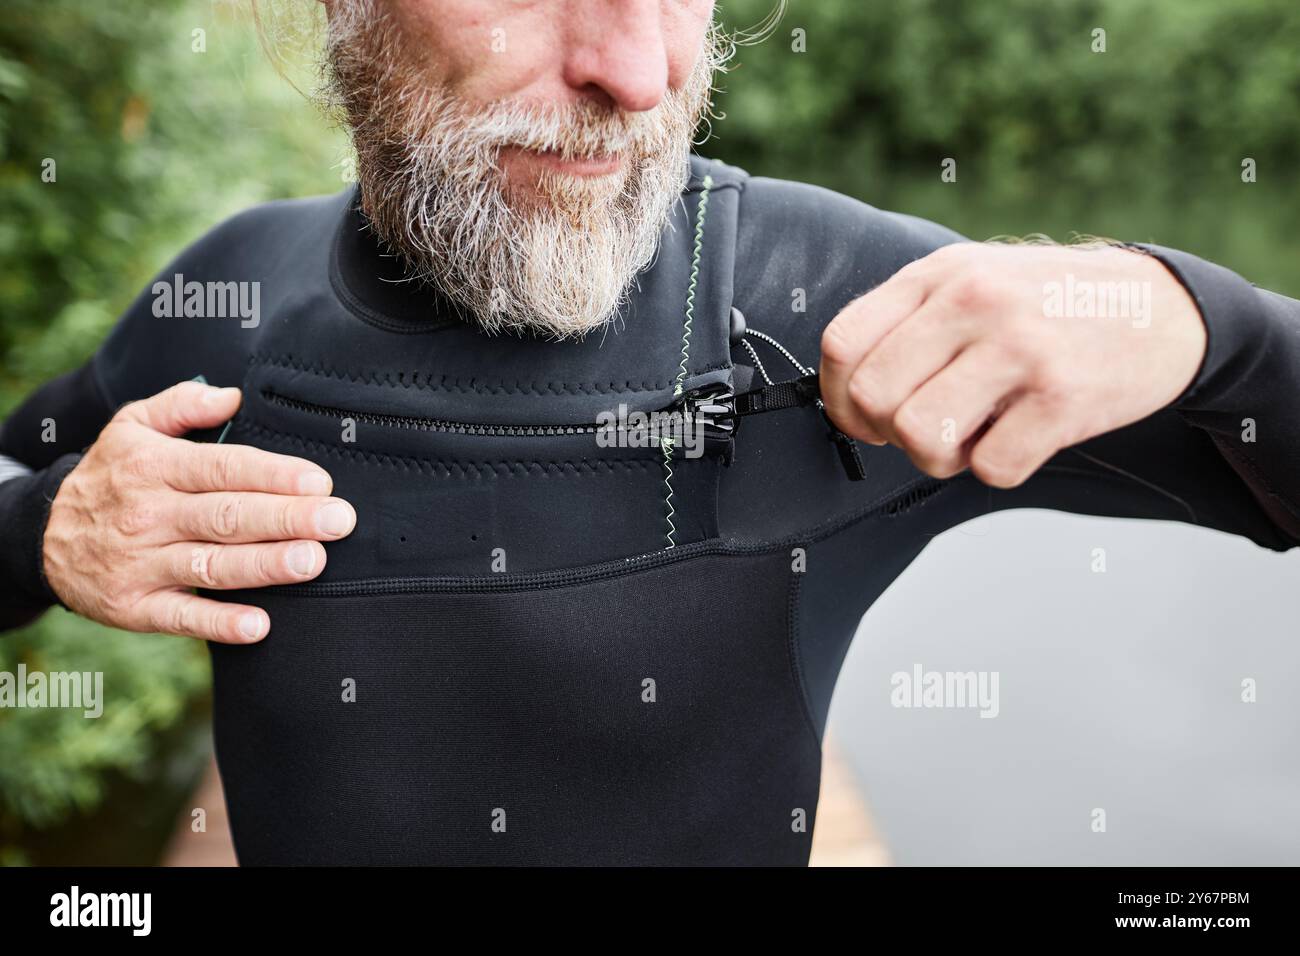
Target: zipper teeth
point(919, 493)
point(426, 424)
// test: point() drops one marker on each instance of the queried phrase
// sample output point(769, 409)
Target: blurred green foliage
point(56, 764)
point(154, 141)
point(1143, 142)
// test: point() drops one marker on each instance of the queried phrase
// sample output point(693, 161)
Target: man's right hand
point(147, 515)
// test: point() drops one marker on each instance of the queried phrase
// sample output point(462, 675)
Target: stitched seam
point(701, 215)
point(666, 444)
point(1231, 451)
point(719, 547)
point(794, 648)
point(448, 468)
point(426, 382)
point(687, 552)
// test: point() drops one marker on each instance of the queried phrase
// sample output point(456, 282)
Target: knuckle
point(947, 467)
point(287, 520)
point(911, 282)
point(913, 266)
point(912, 273)
point(114, 488)
point(129, 412)
point(997, 470)
point(181, 619)
point(1014, 349)
point(934, 264)
point(868, 397)
point(1071, 429)
point(837, 342)
point(117, 605)
point(224, 468)
point(915, 429)
point(203, 565)
point(269, 564)
point(1048, 375)
point(113, 436)
point(134, 518)
point(977, 292)
point(921, 438)
point(172, 617)
point(185, 393)
point(227, 518)
point(140, 461)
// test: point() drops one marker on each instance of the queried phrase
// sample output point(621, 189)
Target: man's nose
point(617, 48)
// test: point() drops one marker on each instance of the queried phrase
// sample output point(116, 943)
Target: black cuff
point(1236, 327)
point(24, 512)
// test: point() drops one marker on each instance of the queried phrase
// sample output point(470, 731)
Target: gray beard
point(559, 263)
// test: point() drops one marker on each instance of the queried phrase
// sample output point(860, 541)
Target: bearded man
point(530, 646)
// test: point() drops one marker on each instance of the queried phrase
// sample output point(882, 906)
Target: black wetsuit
point(538, 677)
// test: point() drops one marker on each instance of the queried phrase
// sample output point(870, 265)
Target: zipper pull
point(714, 407)
point(845, 446)
point(800, 393)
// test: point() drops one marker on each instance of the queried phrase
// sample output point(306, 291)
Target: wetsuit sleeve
point(1246, 396)
point(40, 443)
point(1224, 455)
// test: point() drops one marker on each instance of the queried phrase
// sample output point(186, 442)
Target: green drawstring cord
point(666, 442)
point(222, 437)
point(700, 215)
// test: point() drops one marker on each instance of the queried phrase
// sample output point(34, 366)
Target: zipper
point(417, 423)
point(710, 406)
point(715, 409)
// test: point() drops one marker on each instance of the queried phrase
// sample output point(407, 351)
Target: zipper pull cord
point(764, 337)
point(799, 393)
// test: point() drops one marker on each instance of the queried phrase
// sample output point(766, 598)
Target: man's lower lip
point(599, 166)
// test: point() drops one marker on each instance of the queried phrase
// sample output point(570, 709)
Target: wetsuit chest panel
point(505, 485)
point(513, 705)
point(638, 716)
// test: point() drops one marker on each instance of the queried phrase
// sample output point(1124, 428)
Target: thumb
point(183, 408)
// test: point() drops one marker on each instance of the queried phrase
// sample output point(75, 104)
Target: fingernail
point(250, 625)
point(335, 519)
point(302, 559)
point(313, 483)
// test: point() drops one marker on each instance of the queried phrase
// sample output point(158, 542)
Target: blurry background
point(1119, 691)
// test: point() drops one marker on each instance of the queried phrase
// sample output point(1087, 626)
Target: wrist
point(50, 485)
